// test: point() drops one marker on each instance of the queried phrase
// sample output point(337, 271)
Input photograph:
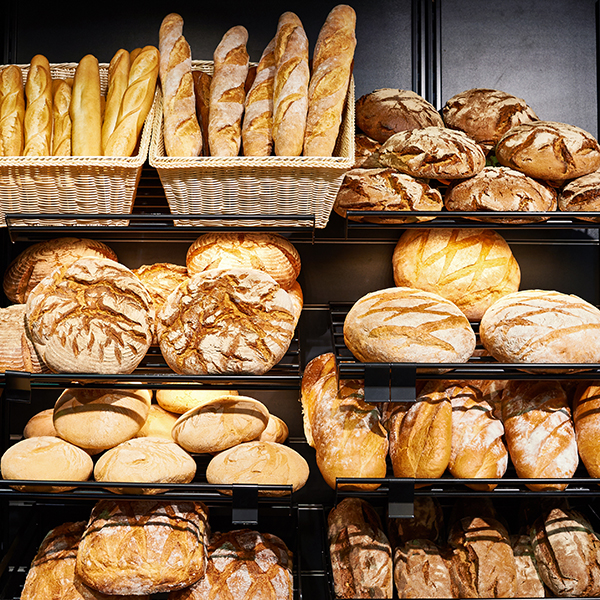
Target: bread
point(501, 189)
point(17, 352)
point(38, 110)
point(202, 92)
point(404, 324)
point(227, 93)
point(385, 189)
point(268, 252)
point(549, 150)
point(331, 70)
point(426, 524)
point(586, 421)
point(431, 152)
point(364, 146)
point(85, 109)
point(539, 432)
point(361, 556)
point(486, 114)
point(290, 88)
point(158, 424)
point(145, 460)
point(98, 419)
point(541, 326)
point(257, 124)
point(179, 401)
point(529, 583)
point(260, 463)
point(345, 431)
point(181, 130)
point(118, 76)
point(221, 423)
point(275, 431)
point(45, 458)
point(226, 338)
point(135, 104)
point(482, 564)
point(470, 267)
point(40, 259)
point(12, 111)
point(40, 424)
point(143, 547)
point(61, 117)
point(581, 194)
point(384, 112)
point(261, 561)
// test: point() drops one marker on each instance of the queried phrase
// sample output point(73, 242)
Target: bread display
point(61, 117)
point(158, 424)
point(384, 112)
point(17, 352)
point(361, 556)
point(143, 547)
point(85, 109)
point(586, 419)
point(179, 401)
point(118, 76)
point(40, 424)
point(38, 110)
point(12, 111)
point(581, 194)
point(529, 582)
point(470, 267)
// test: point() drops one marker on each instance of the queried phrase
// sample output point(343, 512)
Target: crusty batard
point(86, 109)
point(118, 76)
point(61, 139)
point(12, 111)
point(38, 112)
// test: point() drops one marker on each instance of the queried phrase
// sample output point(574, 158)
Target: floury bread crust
point(17, 352)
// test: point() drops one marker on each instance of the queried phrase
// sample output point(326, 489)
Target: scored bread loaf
point(38, 112)
point(364, 146)
point(118, 75)
point(61, 138)
point(586, 418)
point(12, 111)
point(202, 92)
point(86, 109)
point(330, 76)
point(581, 194)
point(529, 583)
point(17, 351)
point(227, 93)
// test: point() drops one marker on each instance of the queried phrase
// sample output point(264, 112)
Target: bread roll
point(45, 458)
point(408, 325)
point(470, 267)
point(581, 194)
point(61, 96)
point(529, 583)
point(98, 419)
point(180, 401)
point(85, 109)
point(539, 432)
point(12, 111)
point(158, 424)
point(38, 112)
point(361, 556)
point(221, 423)
point(384, 112)
point(332, 62)
point(275, 431)
point(202, 92)
point(40, 424)
point(17, 352)
point(227, 93)
point(96, 316)
point(586, 408)
point(118, 76)
point(143, 547)
point(290, 89)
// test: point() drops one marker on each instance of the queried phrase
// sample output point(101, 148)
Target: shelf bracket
point(245, 504)
point(17, 387)
point(401, 499)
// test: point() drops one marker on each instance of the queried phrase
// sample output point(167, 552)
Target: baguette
point(202, 92)
point(290, 88)
point(227, 93)
point(12, 111)
point(86, 109)
point(171, 29)
point(61, 138)
point(331, 70)
point(38, 112)
point(118, 76)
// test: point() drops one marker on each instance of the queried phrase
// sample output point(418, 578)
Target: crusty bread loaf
point(539, 432)
point(143, 547)
point(290, 88)
point(61, 116)
point(40, 424)
point(586, 418)
point(331, 69)
point(118, 76)
point(227, 93)
point(275, 431)
point(12, 111)
point(470, 267)
point(529, 583)
point(364, 146)
point(408, 325)
point(171, 29)
point(86, 109)
point(581, 194)
point(38, 112)
point(361, 556)
point(202, 81)
point(158, 424)
point(17, 352)
point(179, 401)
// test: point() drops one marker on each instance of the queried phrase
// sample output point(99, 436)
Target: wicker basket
point(302, 188)
point(78, 185)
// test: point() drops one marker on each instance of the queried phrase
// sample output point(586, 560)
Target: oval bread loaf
point(180, 401)
point(158, 424)
point(40, 424)
point(275, 431)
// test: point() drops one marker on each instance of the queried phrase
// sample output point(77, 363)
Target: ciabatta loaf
point(38, 112)
point(12, 111)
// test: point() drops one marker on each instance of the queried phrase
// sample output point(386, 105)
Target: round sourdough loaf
point(268, 252)
point(541, 326)
point(226, 321)
point(158, 424)
point(386, 111)
point(486, 114)
point(470, 267)
point(262, 463)
point(98, 419)
point(39, 260)
point(40, 424)
point(549, 150)
point(17, 352)
point(581, 194)
point(221, 423)
point(180, 401)
point(45, 458)
point(408, 325)
point(275, 431)
point(93, 317)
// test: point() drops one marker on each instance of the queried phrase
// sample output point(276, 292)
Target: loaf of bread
point(95, 316)
point(118, 76)
point(12, 111)
point(86, 110)
point(17, 352)
point(384, 112)
point(40, 424)
point(529, 582)
point(539, 432)
point(331, 69)
point(581, 194)
point(275, 431)
point(290, 88)
point(361, 556)
point(261, 561)
point(143, 547)
point(179, 401)
point(227, 93)
point(61, 117)
point(364, 146)
point(404, 324)
point(470, 267)
point(38, 111)
point(158, 424)
point(586, 409)
point(202, 81)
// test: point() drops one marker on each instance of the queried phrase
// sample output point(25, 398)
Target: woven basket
point(78, 185)
point(303, 188)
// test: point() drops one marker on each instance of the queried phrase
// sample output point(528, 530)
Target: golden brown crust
point(61, 139)
point(202, 92)
point(118, 75)
point(86, 109)
point(38, 112)
point(586, 409)
point(12, 111)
